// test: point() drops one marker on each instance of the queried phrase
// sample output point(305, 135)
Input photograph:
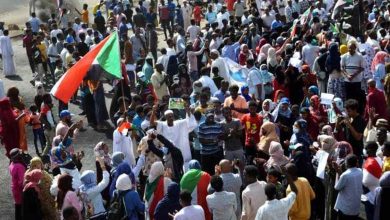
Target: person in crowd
point(9, 126)
point(222, 204)
point(252, 123)
point(188, 211)
point(195, 181)
point(169, 204)
point(7, 54)
point(267, 136)
point(31, 205)
point(66, 194)
point(376, 100)
point(131, 199)
point(350, 188)
point(381, 198)
point(17, 168)
point(253, 196)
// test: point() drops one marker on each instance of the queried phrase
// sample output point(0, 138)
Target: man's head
point(270, 191)
point(224, 85)
point(217, 183)
point(381, 135)
point(210, 117)
point(250, 63)
point(292, 171)
point(185, 198)
point(233, 89)
point(250, 174)
point(351, 161)
point(33, 15)
point(252, 108)
point(371, 84)
point(227, 113)
point(70, 213)
point(226, 166)
point(352, 47)
point(352, 106)
point(371, 148)
point(169, 117)
point(66, 117)
point(273, 176)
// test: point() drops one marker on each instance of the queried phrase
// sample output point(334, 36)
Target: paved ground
point(85, 141)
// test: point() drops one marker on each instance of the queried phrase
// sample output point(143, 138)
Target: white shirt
point(351, 64)
point(214, 44)
point(222, 205)
point(220, 17)
point(122, 143)
point(193, 31)
point(190, 213)
point(163, 59)
point(276, 209)
point(54, 33)
point(171, 52)
point(52, 50)
point(253, 197)
point(309, 54)
point(267, 20)
point(208, 82)
point(253, 80)
point(182, 127)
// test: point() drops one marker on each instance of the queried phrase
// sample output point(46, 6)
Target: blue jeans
point(39, 135)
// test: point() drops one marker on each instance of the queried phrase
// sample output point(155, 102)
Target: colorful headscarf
point(379, 58)
point(32, 179)
point(100, 151)
point(343, 49)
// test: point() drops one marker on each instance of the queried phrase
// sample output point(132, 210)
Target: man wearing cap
point(176, 130)
point(372, 133)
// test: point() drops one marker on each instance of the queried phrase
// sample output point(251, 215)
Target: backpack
point(117, 210)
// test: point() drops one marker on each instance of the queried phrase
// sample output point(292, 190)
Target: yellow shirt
point(386, 164)
point(42, 49)
point(95, 8)
point(85, 16)
point(301, 209)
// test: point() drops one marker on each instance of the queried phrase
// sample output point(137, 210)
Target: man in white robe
point(186, 10)
point(7, 55)
point(122, 143)
point(176, 131)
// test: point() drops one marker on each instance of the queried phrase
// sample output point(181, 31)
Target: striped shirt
point(351, 63)
point(210, 132)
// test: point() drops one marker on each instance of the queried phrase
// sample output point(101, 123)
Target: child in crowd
point(273, 177)
point(36, 124)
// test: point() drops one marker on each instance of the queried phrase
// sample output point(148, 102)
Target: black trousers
point(342, 216)
point(208, 162)
point(18, 212)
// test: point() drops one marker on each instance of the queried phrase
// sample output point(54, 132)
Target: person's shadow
point(14, 78)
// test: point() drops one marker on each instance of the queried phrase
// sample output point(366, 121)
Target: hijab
point(100, 152)
point(271, 58)
point(32, 179)
point(88, 178)
point(170, 202)
point(333, 112)
point(246, 96)
point(266, 77)
point(156, 171)
point(268, 134)
point(334, 58)
point(327, 143)
point(263, 55)
point(194, 164)
point(277, 158)
point(117, 158)
point(123, 168)
point(279, 110)
point(379, 58)
point(342, 149)
point(34, 163)
point(123, 183)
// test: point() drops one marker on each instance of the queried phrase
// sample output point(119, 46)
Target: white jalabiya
point(178, 135)
point(123, 143)
point(7, 56)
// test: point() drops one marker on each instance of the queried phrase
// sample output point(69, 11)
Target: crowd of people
point(299, 131)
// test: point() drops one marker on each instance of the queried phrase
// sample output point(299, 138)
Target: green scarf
point(151, 187)
point(190, 180)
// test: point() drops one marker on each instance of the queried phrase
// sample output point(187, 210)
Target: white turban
point(167, 112)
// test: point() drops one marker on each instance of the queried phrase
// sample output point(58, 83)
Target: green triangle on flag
point(109, 57)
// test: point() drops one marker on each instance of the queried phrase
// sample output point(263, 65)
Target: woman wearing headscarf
point(245, 93)
point(196, 182)
point(132, 201)
point(312, 90)
point(301, 139)
point(9, 129)
point(263, 53)
point(169, 204)
point(337, 154)
point(100, 22)
point(333, 68)
point(101, 151)
point(47, 201)
point(283, 117)
point(17, 169)
point(31, 205)
point(317, 110)
point(382, 198)
point(309, 78)
point(147, 68)
point(267, 108)
point(156, 187)
point(117, 158)
point(319, 69)
point(267, 135)
point(244, 55)
point(267, 79)
point(279, 82)
point(378, 69)
point(91, 192)
point(312, 123)
point(272, 61)
point(277, 158)
point(369, 54)
point(66, 195)
point(123, 168)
